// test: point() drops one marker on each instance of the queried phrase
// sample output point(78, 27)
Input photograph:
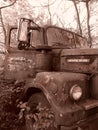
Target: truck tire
point(40, 115)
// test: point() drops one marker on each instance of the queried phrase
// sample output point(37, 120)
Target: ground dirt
point(10, 96)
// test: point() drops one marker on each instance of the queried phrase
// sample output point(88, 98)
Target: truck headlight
point(76, 92)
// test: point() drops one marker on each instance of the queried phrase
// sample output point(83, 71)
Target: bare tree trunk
point(78, 18)
point(2, 26)
point(49, 12)
point(88, 23)
point(1, 18)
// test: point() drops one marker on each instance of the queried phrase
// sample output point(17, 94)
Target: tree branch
point(88, 23)
point(45, 5)
point(1, 19)
point(49, 12)
point(78, 18)
point(8, 5)
point(60, 21)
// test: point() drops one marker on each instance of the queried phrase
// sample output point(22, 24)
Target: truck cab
point(61, 76)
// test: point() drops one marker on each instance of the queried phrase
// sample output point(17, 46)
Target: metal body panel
point(56, 87)
point(23, 64)
point(94, 86)
point(61, 82)
point(72, 52)
point(79, 60)
point(89, 124)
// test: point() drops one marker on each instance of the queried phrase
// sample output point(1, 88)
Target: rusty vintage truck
point(61, 74)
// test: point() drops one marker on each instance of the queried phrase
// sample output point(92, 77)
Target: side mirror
point(23, 30)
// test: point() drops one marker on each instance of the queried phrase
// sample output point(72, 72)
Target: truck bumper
point(88, 124)
point(83, 119)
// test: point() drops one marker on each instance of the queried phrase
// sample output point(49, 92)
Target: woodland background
point(80, 16)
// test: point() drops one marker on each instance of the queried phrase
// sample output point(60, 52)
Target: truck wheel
point(39, 116)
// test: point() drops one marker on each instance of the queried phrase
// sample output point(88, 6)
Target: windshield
point(64, 38)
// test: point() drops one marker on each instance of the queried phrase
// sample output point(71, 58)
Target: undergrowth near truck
point(10, 95)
